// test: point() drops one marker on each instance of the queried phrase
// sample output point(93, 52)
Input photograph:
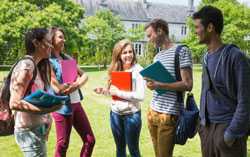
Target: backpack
point(212, 83)
point(187, 122)
point(6, 116)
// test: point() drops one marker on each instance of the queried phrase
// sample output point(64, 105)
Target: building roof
point(130, 10)
point(170, 13)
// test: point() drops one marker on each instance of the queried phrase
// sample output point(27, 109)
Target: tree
point(135, 34)
point(104, 30)
point(148, 56)
point(21, 15)
point(236, 26)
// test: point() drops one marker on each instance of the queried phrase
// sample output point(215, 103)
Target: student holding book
point(31, 73)
point(165, 108)
point(125, 115)
point(72, 113)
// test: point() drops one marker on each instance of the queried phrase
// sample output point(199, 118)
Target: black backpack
point(6, 116)
point(187, 123)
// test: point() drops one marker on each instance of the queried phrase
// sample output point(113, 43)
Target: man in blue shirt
point(225, 96)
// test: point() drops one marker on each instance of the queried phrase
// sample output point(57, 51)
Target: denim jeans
point(126, 131)
point(32, 141)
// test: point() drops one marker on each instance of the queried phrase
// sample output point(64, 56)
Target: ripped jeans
point(32, 141)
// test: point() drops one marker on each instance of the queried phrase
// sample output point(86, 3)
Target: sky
point(185, 2)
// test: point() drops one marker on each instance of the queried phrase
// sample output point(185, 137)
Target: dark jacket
point(235, 69)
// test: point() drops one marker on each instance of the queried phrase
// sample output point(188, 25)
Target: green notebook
point(41, 98)
point(158, 72)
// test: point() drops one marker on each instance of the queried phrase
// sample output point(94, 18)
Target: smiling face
point(151, 34)
point(123, 56)
point(58, 41)
point(156, 37)
point(127, 56)
point(202, 33)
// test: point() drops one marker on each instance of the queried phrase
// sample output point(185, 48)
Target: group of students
point(42, 70)
point(45, 48)
point(223, 124)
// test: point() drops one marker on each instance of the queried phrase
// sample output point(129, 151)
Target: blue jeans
point(126, 131)
point(32, 141)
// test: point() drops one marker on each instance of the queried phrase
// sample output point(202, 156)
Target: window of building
point(138, 48)
point(135, 25)
point(183, 30)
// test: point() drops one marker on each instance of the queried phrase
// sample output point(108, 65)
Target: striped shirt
point(167, 102)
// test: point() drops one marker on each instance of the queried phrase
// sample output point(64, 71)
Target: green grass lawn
point(97, 108)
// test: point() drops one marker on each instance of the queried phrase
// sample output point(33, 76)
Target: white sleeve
point(139, 91)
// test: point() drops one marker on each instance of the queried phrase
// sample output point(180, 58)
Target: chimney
point(145, 4)
point(190, 7)
point(103, 4)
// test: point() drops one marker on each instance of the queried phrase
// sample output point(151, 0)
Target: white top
point(131, 103)
point(75, 97)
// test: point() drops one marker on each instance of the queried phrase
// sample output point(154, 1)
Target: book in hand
point(41, 98)
point(69, 70)
point(122, 80)
point(158, 72)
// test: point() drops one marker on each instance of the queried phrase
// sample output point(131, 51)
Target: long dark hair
point(44, 65)
point(53, 31)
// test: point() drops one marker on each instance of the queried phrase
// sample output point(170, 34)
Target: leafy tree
point(135, 34)
point(21, 15)
point(103, 31)
point(148, 56)
point(236, 26)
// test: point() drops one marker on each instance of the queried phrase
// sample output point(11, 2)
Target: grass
point(97, 108)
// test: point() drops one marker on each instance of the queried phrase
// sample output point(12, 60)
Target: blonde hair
point(116, 63)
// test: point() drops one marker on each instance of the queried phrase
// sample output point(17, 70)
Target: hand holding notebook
point(158, 72)
point(41, 98)
point(69, 70)
point(122, 80)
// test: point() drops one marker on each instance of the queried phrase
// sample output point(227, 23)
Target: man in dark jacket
point(225, 95)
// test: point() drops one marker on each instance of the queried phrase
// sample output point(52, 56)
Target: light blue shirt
point(65, 109)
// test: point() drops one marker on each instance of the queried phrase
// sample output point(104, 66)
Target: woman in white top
point(32, 123)
point(125, 115)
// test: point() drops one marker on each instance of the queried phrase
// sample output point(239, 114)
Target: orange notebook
point(69, 70)
point(122, 80)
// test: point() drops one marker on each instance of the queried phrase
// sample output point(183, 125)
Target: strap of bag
point(28, 91)
point(211, 78)
point(180, 97)
point(8, 79)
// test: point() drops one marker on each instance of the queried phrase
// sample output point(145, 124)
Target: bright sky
point(185, 2)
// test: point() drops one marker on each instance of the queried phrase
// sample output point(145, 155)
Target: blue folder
point(158, 72)
point(41, 98)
